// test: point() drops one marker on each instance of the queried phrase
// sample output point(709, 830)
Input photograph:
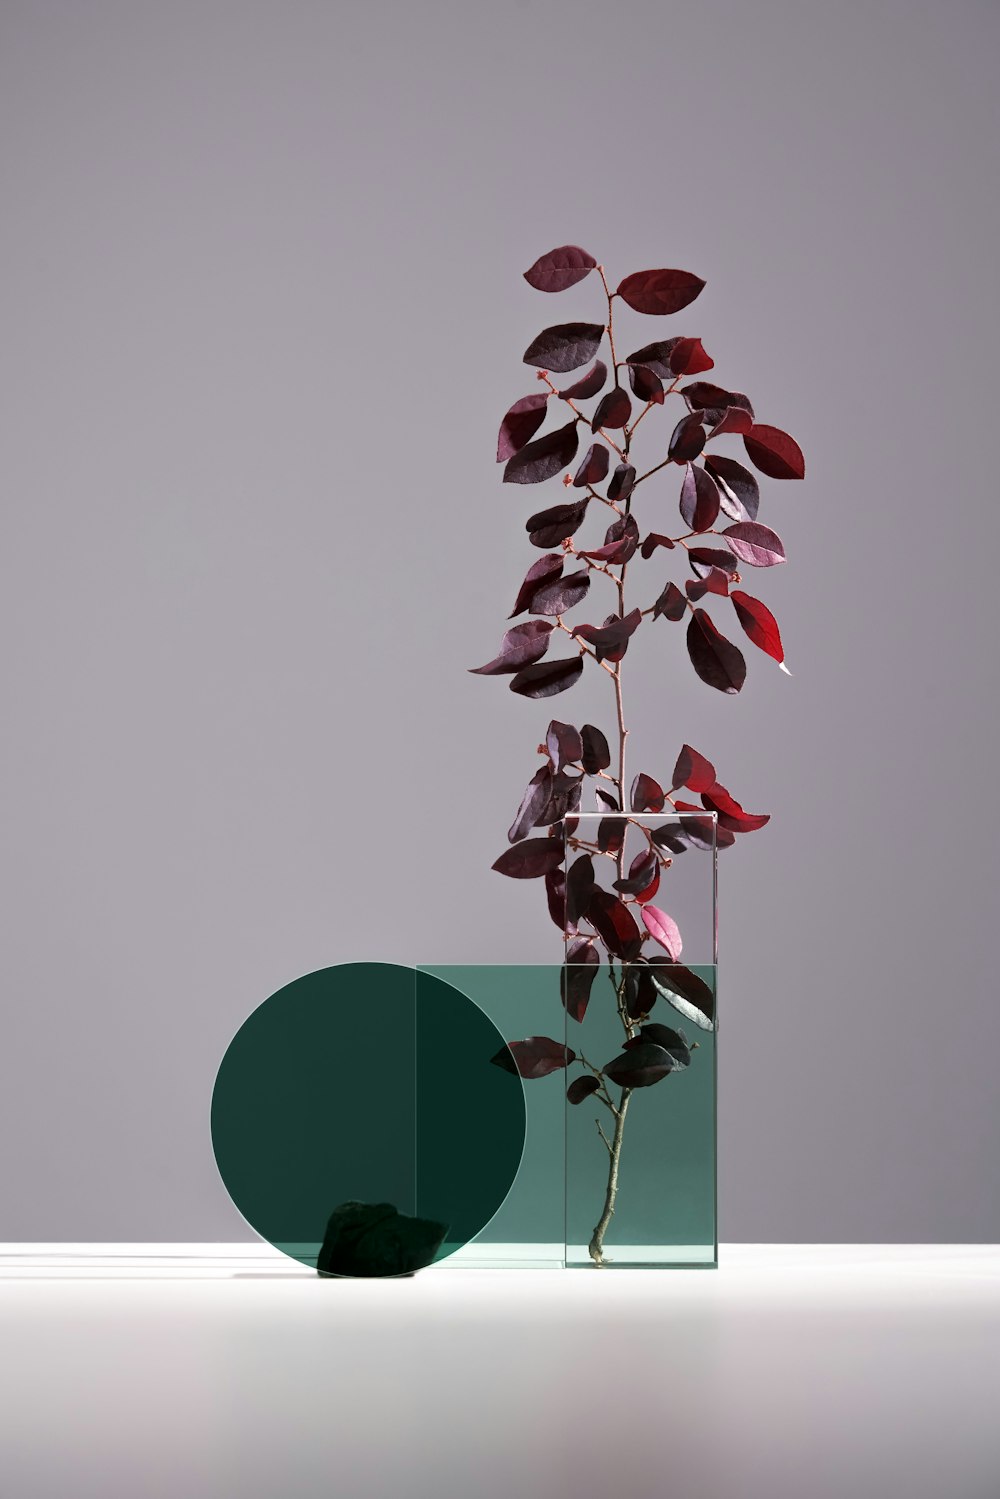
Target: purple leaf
point(563, 743)
point(733, 419)
point(716, 660)
point(646, 384)
point(671, 604)
point(699, 499)
point(547, 678)
point(594, 467)
point(536, 1056)
point(756, 544)
point(664, 930)
point(555, 895)
point(580, 883)
point(646, 794)
point(704, 559)
point(520, 646)
point(654, 540)
point(520, 424)
point(596, 754)
point(565, 346)
point(640, 995)
point(713, 401)
point(543, 458)
point(688, 993)
point(692, 770)
point(621, 541)
point(564, 797)
point(614, 924)
point(622, 481)
point(658, 292)
point(611, 639)
point(579, 972)
point(607, 799)
point(712, 581)
point(687, 439)
point(775, 453)
point(640, 1066)
point(702, 832)
point(656, 357)
point(546, 567)
point(582, 1087)
point(533, 802)
point(560, 268)
point(643, 870)
point(547, 528)
point(531, 859)
point(560, 595)
point(739, 491)
point(588, 385)
point(613, 410)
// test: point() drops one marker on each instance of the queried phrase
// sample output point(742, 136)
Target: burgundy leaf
point(692, 770)
point(688, 993)
point(647, 385)
point(664, 930)
point(687, 440)
point(555, 894)
point(596, 754)
point(544, 457)
point(688, 357)
point(520, 646)
point(565, 346)
point(756, 544)
point(531, 859)
point(640, 994)
point(703, 559)
point(560, 595)
point(658, 292)
point(713, 401)
point(582, 1087)
point(640, 1066)
point(560, 268)
point(533, 802)
point(621, 541)
point(607, 799)
point(731, 814)
point(547, 677)
point(580, 883)
point(563, 743)
point(671, 604)
point(520, 424)
point(614, 924)
point(611, 834)
point(545, 567)
point(671, 835)
point(656, 357)
point(536, 1056)
point(739, 491)
point(759, 623)
point(643, 870)
point(716, 660)
point(611, 639)
point(699, 499)
point(648, 892)
point(622, 481)
point(675, 1042)
point(775, 453)
point(712, 581)
point(733, 419)
point(594, 467)
point(547, 528)
point(564, 797)
point(654, 540)
point(579, 972)
point(646, 794)
point(703, 832)
point(613, 410)
point(588, 385)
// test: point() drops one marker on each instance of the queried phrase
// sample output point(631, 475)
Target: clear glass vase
point(639, 989)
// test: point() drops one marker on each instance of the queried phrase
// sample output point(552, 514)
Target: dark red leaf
point(692, 770)
point(775, 453)
point(703, 559)
point(596, 754)
point(520, 646)
point(658, 292)
point(547, 677)
point(716, 660)
point(611, 639)
point(560, 268)
point(611, 834)
point(544, 457)
point(622, 481)
point(564, 744)
point(687, 440)
point(536, 1056)
point(712, 581)
point(565, 346)
point(713, 401)
point(594, 466)
point(646, 383)
point(580, 883)
point(607, 799)
point(756, 544)
point(560, 595)
point(613, 410)
point(621, 541)
point(614, 924)
point(759, 623)
point(689, 994)
point(565, 797)
point(702, 832)
point(733, 419)
point(731, 814)
point(654, 540)
point(639, 1066)
point(688, 357)
point(547, 528)
point(555, 894)
point(671, 604)
point(640, 994)
point(588, 385)
point(641, 874)
point(533, 802)
point(648, 892)
point(699, 499)
point(545, 567)
point(646, 794)
point(675, 1042)
point(582, 1087)
point(520, 424)
point(579, 972)
point(664, 930)
point(531, 859)
point(739, 491)
point(656, 357)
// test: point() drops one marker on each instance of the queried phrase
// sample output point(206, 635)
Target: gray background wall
point(261, 310)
